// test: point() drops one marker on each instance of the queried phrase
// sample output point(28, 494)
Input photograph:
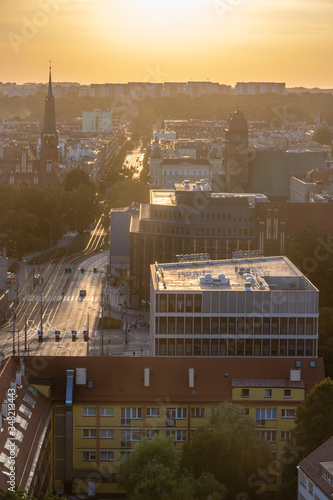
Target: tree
point(313, 426)
point(311, 251)
point(229, 448)
point(323, 135)
point(75, 178)
point(325, 330)
point(314, 418)
point(153, 471)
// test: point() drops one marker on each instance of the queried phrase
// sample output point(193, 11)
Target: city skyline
point(225, 41)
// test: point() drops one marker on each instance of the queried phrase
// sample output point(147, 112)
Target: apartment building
point(102, 407)
point(252, 306)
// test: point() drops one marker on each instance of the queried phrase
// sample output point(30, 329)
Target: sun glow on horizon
point(117, 40)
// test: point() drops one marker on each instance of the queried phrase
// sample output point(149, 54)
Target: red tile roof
point(122, 378)
point(313, 463)
point(40, 414)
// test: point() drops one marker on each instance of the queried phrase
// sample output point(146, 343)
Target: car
point(83, 292)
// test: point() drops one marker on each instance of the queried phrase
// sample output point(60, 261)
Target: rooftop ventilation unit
point(4, 408)
point(146, 379)
point(207, 280)
point(191, 377)
point(81, 376)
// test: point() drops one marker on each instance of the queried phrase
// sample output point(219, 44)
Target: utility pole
point(41, 312)
point(14, 331)
point(102, 321)
point(25, 333)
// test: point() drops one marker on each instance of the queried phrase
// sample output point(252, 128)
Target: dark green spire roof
point(49, 111)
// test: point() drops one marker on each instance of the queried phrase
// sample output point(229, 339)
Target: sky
point(115, 41)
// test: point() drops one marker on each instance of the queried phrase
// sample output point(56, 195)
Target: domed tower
point(156, 159)
point(215, 157)
point(236, 165)
point(49, 152)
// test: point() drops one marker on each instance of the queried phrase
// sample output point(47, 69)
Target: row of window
point(220, 216)
point(172, 414)
point(287, 393)
point(235, 347)
point(263, 414)
point(229, 302)
point(128, 414)
point(215, 325)
point(241, 232)
point(177, 435)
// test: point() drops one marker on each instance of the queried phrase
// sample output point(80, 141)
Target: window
point(89, 456)
point(310, 488)
point(245, 393)
point(267, 393)
point(245, 412)
point(287, 393)
point(177, 435)
point(197, 412)
point(266, 413)
point(152, 412)
point(302, 478)
point(312, 364)
point(269, 436)
point(285, 435)
point(28, 399)
point(88, 433)
point(176, 413)
point(21, 421)
point(289, 413)
point(107, 456)
point(127, 437)
point(88, 411)
point(298, 364)
point(33, 391)
point(128, 414)
point(152, 432)
point(106, 412)
point(23, 409)
point(106, 433)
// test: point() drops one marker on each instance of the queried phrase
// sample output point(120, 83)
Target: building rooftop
point(252, 274)
point(121, 379)
point(319, 465)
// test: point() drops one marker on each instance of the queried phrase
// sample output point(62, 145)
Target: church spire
point(49, 111)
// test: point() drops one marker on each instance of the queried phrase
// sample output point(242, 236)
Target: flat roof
point(259, 273)
point(163, 197)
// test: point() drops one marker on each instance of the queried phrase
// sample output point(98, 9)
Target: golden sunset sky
point(225, 41)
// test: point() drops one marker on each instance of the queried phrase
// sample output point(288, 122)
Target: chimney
point(4, 408)
point(191, 377)
point(22, 367)
point(146, 382)
point(13, 386)
point(19, 378)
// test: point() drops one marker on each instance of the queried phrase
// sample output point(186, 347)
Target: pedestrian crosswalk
point(61, 298)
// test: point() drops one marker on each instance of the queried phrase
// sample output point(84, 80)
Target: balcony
point(125, 444)
point(169, 422)
point(261, 423)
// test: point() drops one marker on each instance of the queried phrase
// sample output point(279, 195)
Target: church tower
point(49, 152)
point(236, 164)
